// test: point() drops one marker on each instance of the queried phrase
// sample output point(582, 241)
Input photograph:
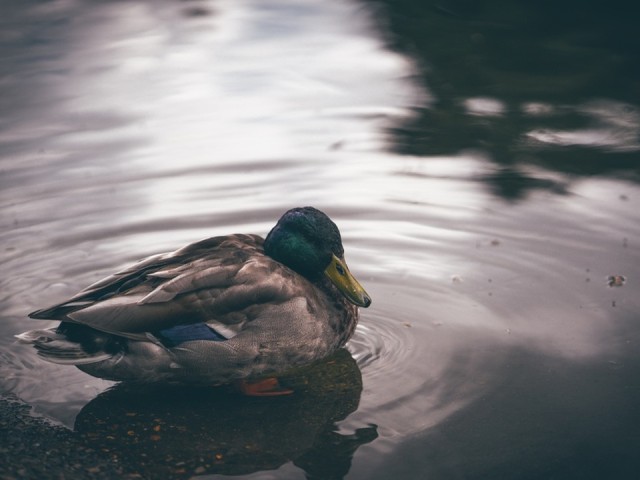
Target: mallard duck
point(224, 309)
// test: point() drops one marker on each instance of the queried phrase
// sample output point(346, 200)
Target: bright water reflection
point(131, 128)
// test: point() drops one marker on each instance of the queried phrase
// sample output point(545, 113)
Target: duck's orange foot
point(266, 387)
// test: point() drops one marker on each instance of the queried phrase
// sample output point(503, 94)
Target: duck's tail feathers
point(57, 348)
point(57, 312)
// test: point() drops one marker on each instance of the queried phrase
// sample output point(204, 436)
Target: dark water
point(481, 161)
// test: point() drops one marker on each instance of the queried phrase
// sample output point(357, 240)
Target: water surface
point(484, 201)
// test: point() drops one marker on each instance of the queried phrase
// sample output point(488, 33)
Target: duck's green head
point(307, 241)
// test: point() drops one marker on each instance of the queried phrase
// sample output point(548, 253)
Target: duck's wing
point(218, 280)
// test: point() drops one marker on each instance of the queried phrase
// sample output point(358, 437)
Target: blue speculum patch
point(174, 336)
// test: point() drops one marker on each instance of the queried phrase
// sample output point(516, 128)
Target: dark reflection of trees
point(162, 432)
point(560, 53)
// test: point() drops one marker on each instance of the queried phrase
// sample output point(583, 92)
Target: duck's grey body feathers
point(257, 311)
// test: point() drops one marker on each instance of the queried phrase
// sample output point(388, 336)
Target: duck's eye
point(340, 269)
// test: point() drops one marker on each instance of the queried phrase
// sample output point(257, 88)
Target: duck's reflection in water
point(178, 432)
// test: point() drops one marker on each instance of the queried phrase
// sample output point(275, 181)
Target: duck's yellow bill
point(339, 274)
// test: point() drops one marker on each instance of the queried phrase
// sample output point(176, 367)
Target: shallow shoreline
point(33, 448)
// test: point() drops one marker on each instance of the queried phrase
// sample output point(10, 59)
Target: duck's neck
point(345, 317)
